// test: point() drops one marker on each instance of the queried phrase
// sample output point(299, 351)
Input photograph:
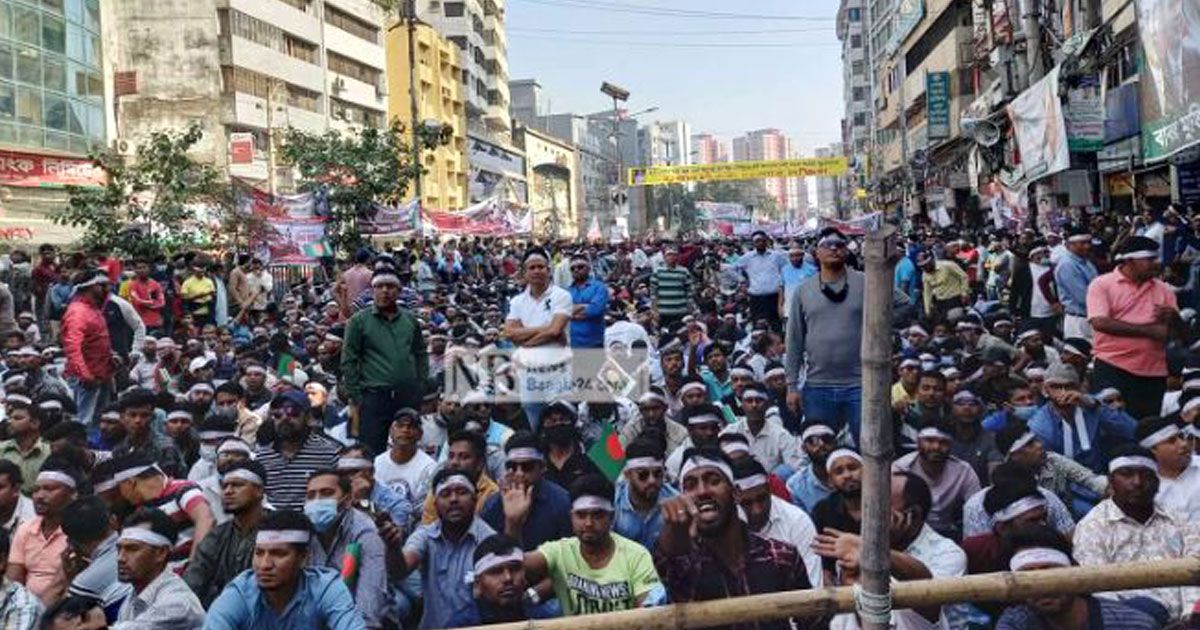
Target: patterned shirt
point(19, 609)
point(769, 566)
point(976, 520)
point(1058, 473)
point(671, 287)
point(1107, 536)
point(1103, 614)
point(287, 478)
point(165, 604)
point(175, 500)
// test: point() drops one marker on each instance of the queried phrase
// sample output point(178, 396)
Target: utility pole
point(874, 606)
point(904, 161)
point(411, 9)
point(272, 90)
point(1033, 38)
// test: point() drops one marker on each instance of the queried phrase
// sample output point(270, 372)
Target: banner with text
point(937, 95)
point(1037, 120)
point(29, 170)
point(729, 171)
point(1170, 80)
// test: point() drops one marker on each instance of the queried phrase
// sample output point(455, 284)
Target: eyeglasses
point(644, 474)
point(525, 467)
point(818, 439)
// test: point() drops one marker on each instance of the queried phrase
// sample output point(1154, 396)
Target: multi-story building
point(709, 149)
point(828, 188)
point(53, 90)
point(249, 67)
point(667, 143)
point(769, 144)
point(856, 78)
point(438, 74)
point(477, 27)
point(551, 168)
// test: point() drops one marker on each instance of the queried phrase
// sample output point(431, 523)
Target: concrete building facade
point(477, 27)
point(828, 188)
point(856, 79)
point(709, 149)
point(551, 167)
point(770, 144)
point(439, 101)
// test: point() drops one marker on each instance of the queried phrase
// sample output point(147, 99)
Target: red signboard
point(241, 148)
point(28, 170)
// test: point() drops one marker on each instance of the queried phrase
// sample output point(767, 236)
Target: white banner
point(1037, 119)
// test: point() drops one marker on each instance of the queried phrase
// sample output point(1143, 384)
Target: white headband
point(1159, 436)
point(1035, 372)
point(741, 371)
point(104, 486)
point(525, 453)
point(275, 536)
point(635, 463)
point(751, 394)
point(1081, 238)
point(652, 397)
point(1190, 405)
point(17, 398)
point(385, 278)
point(56, 477)
point(838, 454)
point(244, 475)
point(816, 430)
point(1138, 255)
point(587, 503)
point(215, 435)
point(179, 413)
point(1108, 391)
point(491, 561)
point(699, 461)
point(234, 446)
point(1191, 384)
point(145, 536)
point(354, 463)
point(1017, 508)
point(531, 256)
point(1021, 442)
point(256, 369)
point(1038, 555)
point(775, 372)
point(690, 386)
point(753, 481)
point(202, 387)
point(130, 473)
point(1029, 334)
point(703, 419)
point(732, 448)
point(454, 481)
point(50, 404)
point(934, 433)
point(97, 279)
point(1132, 461)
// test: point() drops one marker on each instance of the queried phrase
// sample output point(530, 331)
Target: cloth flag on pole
point(607, 453)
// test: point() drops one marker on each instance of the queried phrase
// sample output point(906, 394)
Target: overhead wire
point(765, 31)
point(613, 42)
point(623, 7)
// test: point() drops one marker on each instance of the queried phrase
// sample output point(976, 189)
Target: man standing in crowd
point(537, 326)
point(763, 269)
point(86, 343)
point(944, 286)
point(1073, 273)
point(1133, 314)
point(671, 290)
point(384, 363)
point(590, 299)
point(147, 297)
point(824, 333)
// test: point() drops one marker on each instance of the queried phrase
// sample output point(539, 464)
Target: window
point(353, 69)
point(245, 81)
point(300, 49)
point(856, 68)
point(856, 41)
point(29, 106)
point(54, 74)
point(26, 26)
point(355, 115)
point(453, 9)
point(53, 5)
point(858, 93)
point(860, 119)
point(56, 112)
point(8, 97)
point(302, 5)
point(301, 98)
point(29, 66)
point(54, 34)
point(460, 41)
point(351, 24)
point(5, 20)
point(854, 15)
point(6, 61)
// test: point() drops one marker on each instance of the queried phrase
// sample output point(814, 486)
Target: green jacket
point(382, 354)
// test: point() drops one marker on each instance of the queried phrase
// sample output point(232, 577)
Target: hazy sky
point(723, 71)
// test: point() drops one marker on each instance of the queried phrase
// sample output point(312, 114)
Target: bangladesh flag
point(607, 453)
point(318, 249)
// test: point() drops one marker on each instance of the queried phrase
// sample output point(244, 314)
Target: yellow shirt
point(946, 281)
point(199, 291)
point(899, 394)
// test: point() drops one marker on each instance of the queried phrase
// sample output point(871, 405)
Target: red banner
point(29, 170)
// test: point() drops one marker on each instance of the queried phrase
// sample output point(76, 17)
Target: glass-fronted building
point(51, 79)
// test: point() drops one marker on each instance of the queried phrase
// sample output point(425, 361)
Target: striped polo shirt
point(288, 478)
point(672, 288)
point(176, 498)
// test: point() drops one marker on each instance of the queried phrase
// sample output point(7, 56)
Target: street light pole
point(414, 115)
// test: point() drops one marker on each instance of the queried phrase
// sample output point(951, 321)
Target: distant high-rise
point(709, 149)
point(770, 144)
point(477, 27)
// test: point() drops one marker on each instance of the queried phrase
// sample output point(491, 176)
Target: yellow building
point(439, 98)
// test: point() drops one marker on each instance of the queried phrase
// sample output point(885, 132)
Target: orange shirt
point(1115, 296)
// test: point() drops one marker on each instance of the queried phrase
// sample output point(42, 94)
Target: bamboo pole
point(876, 438)
point(990, 587)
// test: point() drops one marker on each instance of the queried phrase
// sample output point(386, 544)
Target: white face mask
point(208, 452)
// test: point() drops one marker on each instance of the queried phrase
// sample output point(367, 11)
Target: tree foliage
point(156, 203)
point(749, 193)
point(354, 170)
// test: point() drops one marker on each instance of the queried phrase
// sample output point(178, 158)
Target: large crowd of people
point(208, 441)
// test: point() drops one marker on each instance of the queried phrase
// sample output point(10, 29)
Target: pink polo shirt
point(42, 559)
point(1116, 296)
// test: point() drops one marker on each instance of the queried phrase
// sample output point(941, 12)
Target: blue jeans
point(88, 400)
point(835, 405)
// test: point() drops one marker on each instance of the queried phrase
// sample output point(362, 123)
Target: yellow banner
point(725, 171)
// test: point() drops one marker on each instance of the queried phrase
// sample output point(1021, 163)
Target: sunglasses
point(644, 474)
point(525, 467)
